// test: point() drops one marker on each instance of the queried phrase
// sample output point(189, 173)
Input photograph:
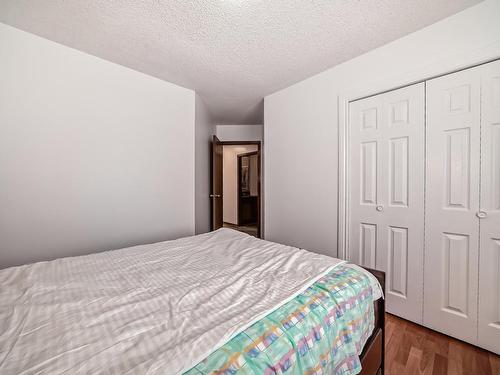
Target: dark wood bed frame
point(373, 355)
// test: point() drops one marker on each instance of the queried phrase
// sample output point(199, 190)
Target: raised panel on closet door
point(386, 193)
point(489, 268)
point(452, 202)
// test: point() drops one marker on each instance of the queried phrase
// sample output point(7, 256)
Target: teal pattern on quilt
point(320, 331)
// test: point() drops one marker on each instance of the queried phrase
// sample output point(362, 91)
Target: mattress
point(157, 308)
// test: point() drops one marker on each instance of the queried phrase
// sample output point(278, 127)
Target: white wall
point(301, 122)
point(93, 156)
point(230, 180)
point(240, 132)
point(204, 130)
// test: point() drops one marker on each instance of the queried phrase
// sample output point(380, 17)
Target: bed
point(221, 302)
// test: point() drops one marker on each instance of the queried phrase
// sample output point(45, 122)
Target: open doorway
point(235, 198)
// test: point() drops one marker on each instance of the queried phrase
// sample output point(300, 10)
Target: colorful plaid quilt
point(320, 331)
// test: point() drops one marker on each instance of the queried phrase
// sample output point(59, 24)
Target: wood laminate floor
point(413, 349)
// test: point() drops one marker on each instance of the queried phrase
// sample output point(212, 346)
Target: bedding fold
point(320, 331)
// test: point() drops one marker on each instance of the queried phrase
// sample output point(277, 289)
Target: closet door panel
point(386, 193)
point(365, 118)
point(489, 270)
point(452, 200)
point(398, 262)
point(401, 195)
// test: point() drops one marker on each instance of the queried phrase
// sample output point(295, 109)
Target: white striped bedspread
point(149, 309)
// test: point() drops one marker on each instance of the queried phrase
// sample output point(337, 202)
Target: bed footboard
point(373, 355)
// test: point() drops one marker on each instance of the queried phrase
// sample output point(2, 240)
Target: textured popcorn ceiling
point(233, 52)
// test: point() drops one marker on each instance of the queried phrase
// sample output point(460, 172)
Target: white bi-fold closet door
point(462, 245)
point(489, 260)
point(386, 193)
point(448, 276)
point(452, 203)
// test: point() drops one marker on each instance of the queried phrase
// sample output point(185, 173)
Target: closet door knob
point(481, 214)
point(380, 208)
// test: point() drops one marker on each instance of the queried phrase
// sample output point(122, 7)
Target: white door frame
point(343, 101)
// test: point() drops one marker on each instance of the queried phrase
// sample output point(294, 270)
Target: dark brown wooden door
point(216, 195)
